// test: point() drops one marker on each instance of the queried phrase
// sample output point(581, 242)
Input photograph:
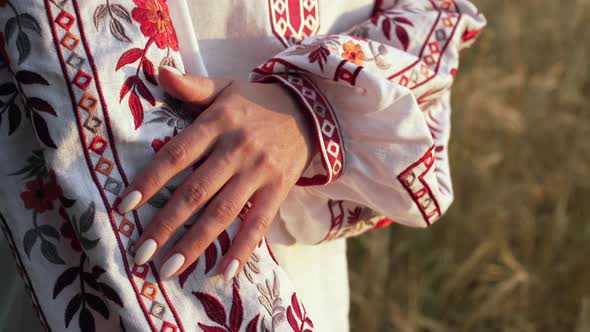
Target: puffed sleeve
point(378, 95)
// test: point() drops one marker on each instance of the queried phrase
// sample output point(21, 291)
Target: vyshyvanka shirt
point(82, 112)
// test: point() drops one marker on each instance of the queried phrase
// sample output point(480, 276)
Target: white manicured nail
point(231, 269)
point(130, 201)
point(171, 69)
point(145, 251)
point(172, 265)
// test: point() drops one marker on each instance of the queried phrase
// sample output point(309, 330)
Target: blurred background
point(512, 252)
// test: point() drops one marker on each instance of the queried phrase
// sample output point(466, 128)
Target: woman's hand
point(256, 143)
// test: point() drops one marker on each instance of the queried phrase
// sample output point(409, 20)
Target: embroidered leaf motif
point(110, 293)
point(10, 28)
point(121, 12)
point(403, 20)
point(186, 273)
point(292, 321)
point(50, 231)
point(403, 37)
point(129, 57)
point(387, 29)
point(86, 320)
point(136, 109)
point(30, 23)
point(225, 242)
point(213, 308)
point(207, 328)
point(210, 257)
point(65, 279)
point(97, 304)
point(118, 30)
point(49, 251)
point(29, 241)
point(149, 71)
point(23, 46)
point(253, 324)
point(29, 77)
point(87, 218)
point(129, 82)
point(145, 92)
point(7, 89)
point(14, 118)
point(236, 315)
point(72, 308)
point(40, 105)
point(42, 130)
point(100, 13)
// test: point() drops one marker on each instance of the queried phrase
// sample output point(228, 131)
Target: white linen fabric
point(81, 112)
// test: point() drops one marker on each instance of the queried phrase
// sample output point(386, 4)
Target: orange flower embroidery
point(353, 53)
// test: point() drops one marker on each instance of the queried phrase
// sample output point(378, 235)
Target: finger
point(265, 205)
point(178, 154)
point(218, 215)
point(194, 89)
point(195, 192)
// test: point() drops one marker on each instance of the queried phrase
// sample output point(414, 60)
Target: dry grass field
point(512, 254)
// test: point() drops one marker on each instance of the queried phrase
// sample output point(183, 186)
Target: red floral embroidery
point(157, 144)
point(155, 22)
point(40, 194)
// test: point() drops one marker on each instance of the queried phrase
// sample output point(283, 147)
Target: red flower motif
point(40, 194)
point(157, 144)
point(3, 55)
point(67, 230)
point(155, 22)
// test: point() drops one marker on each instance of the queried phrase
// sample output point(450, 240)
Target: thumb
point(195, 89)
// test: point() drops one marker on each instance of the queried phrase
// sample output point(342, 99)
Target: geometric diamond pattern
point(75, 60)
point(140, 271)
point(70, 41)
point(93, 124)
point(65, 20)
point(88, 103)
point(149, 290)
point(113, 186)
point(126, 227)
point(104, 166)
point(168, 327)
point(82, 80)
point(158, 310)
point(99, 145)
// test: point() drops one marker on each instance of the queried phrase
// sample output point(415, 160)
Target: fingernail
point(130, 201)
point(172, 265)
point(171, 69)
point(145, 251)
point(231, 269)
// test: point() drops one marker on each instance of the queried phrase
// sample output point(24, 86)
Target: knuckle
point(165, 229)
point(261, 224)
point(196, 245)
point(151, 182)
point(225, 209)
point(268, 163)
point(228, 115)
point(194, 193)
point(175, 153)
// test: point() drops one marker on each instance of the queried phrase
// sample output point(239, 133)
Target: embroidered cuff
point(326, 126)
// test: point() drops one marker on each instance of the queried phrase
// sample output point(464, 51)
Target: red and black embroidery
point(294, 20)
point(100, 153)
point(155, 24)
point(413, 180)
point(16, 31)
point(326, 125)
